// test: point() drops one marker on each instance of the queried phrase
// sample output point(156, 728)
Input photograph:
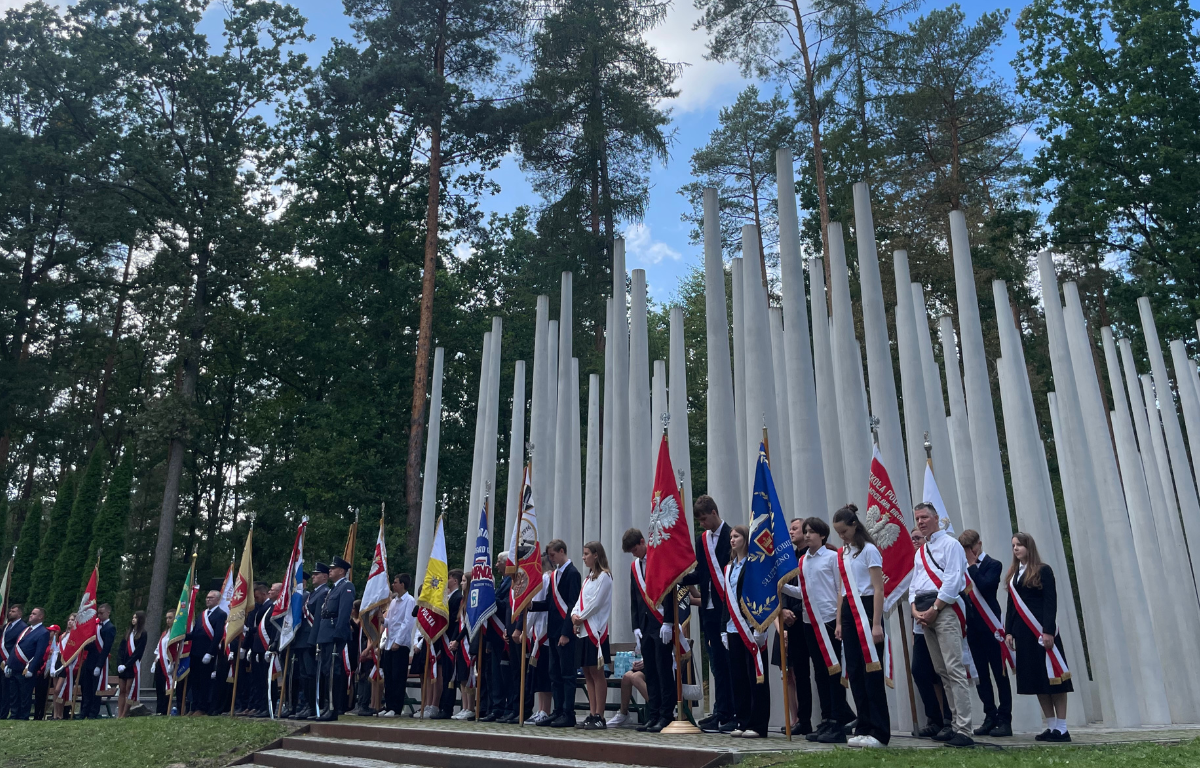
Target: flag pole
point(524, 615)
point(487, 491)
point(779, 630)
point(237, 661)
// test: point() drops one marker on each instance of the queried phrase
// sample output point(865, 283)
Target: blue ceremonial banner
point(481, 599)
point(771, 558)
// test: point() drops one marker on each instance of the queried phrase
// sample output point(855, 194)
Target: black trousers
point(162, 700)
point(332, 682)
point(718, 665)
point(830, 692)
point(988, 659)
point(200, 685)
point(751, 699)
point(926, 681)
point(302, 686)
point(868, 687)
point(657, 660)
point(562, 676)
point(40, 691)
point(495, 683)
point(89, 702)
point(395, 677)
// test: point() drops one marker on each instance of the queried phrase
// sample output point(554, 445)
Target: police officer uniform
point(333, 632)
point(305, 645)
point(298, 698)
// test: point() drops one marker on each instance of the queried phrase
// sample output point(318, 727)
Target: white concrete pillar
point(591, 500)
point(827, 401)
point(736, 267)
point(516, 452)
point(606, 459)
point(1189, 398)
point(939, 428)
point(783, 448)
point(561, 509)
point(433, 437)
point(852, 406)
point(618, 336)
point(643, 427)
point(575, 478)
point(476, 495)
point(540, 408)
point(912, 389)
point(544, 478)
point(959, 427)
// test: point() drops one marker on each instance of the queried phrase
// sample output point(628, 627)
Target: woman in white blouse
point(590, 618)
point(861, 562)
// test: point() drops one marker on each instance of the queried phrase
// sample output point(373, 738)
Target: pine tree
point(27, 550)
point(60, 514)
point(73, 547)
point(108, 531)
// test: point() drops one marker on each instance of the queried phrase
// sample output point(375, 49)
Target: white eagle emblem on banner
point(663, 515)
point(881, 528)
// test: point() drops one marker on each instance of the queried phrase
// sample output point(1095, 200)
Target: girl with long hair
point(1031, 630)
point(751, 689)
point(162, 668)
point(64, 675)
point(129, 659)
point(860, 627)
point(590, 618)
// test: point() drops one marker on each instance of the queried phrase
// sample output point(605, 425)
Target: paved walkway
point(1087, 736)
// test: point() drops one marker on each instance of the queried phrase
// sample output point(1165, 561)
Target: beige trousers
point(945, 642)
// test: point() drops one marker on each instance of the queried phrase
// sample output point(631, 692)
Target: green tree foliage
point(71, 560)
point(108, 531)
point(1118, 83)
point(56, 529)
point(27, 550)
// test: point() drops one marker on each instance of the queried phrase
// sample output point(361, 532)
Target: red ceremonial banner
point(885, 521)
point(669, 554)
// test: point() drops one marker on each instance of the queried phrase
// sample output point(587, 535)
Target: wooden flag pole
point(516, 556)
point(237, 667)
point(425, 677)
point(681, 724)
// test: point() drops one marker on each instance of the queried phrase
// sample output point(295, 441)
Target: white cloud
point(702, 82)
point(463, 251)
point(644, 249)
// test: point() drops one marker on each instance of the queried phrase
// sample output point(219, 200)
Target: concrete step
point(293, 758)
point(362, 753)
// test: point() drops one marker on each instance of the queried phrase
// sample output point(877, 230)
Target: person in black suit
point(264, 635)
point(206, 637)
point(95, 664)
point(565, 584)
point(1034, 583)
point(12, 630)
point(247, 687)
point(445, 653)
point(25, 665)
point(985, 571)
point(333, 632)
point(712, 540)
point(657, 656)
point(304, 647)
point(129, 658)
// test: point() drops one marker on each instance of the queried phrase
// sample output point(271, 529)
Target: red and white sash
point(823, 642)
point(596, 638)
point(862, 625)
point(937, 582)
point(262, 632)
point(639, 578)
point(564, 610)
point(208, 629)
point(130, 648)
point(743, 627)
point(991, 621)
point(1056, 665)
point(17, 646)
point(714, 565)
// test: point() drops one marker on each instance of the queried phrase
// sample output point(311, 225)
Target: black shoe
point(563, 721)
point(832, 736)
point(711, 720)
point(587, 721)
point(848, 728)
point(729, 726)
point(945, 734)
point(1002, 729)
point(961, 741)
point(658, 725)
point(305, 714)
point(328, 716)
point(798, 729)
point(510, 720)
point(985, 729)
point(1059, 736)
point(490, 717)
point(929, 731)
point(545, 723)
point(822, 727)
point(1046, 735)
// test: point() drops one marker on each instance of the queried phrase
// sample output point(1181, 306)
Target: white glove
point(207, 659)
point(153, 667)
point(28, 672)
point(96, 672)
point(120, 668)
point(8, 671)
point(760, 638)
point(241, 653)
point(637, 633)
point(665, 633)
point(725, 640)
point(214, 675)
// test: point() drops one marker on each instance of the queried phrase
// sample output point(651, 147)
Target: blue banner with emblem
point(481, 598)
point(771, 558)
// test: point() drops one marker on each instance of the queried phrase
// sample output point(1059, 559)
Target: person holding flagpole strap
point(240, 605)
point(78, 641)
point(480, 607)
point(433, 615)
point(751, 688)
point(590, 618)
point(129, 663)
point(525, 567)
point(1031, 631)
point(206, 638)
point(860, 627)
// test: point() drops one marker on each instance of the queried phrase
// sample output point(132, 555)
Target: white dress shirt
point(821, 579)
point(948, 560)
point(399, 621)
point(858, 567)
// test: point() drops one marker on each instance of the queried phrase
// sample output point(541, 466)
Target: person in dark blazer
point(712, 541)
point(95, 663)
point(248, 682)
point(206, 637)
point(262, 638)
point(657, 656)
point(1033, 582)
point(13, 628)
point(305, 645)
point(129, 659)
point(160, 668)
point(447, 649)
point(499, 688)
point(985, 571)
point(752, 699)
point(333, 632)
point(26, 665)
point(565, 584)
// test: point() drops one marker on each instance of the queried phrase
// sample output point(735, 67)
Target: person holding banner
point(984, 572)
point(590, 618)
point(712, 555)
point(647, 621)
point(129, 660)
point(565, 585)
point(860, 627)
point(1031, 630)
point(206, 637)
point(95, 664)
point(751, 686)
point(333, 633)
point(161, 667)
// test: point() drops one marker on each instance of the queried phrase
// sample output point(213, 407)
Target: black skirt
point(1031, 663)
point(587, 654)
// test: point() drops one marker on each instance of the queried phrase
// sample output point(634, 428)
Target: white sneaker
point(750, 735)
point(736, 733)
point(387, 713)
point(855, 741)
point(430, 710)
point(870, 742)
point(463, 714)
point(617, 719)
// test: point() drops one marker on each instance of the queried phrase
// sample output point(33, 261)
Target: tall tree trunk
point(762, 253)
point(111, 360)
point(416, 421)
point(190, 349)
point(814, 119)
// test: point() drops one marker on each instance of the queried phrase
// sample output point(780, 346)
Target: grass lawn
point(1117, 756)
point(137, 742)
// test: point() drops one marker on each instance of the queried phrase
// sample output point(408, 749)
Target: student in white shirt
point(590, 618)
point(399, 624)
point(863, 564)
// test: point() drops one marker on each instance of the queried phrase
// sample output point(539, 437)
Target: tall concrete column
point(561, 510)
point(1163, 589)
point(959, 428)
point(852, 406)
point(618, 336)
point(991, 495)
point(658, 406)
point(491, 439)
point(1189, 398)
point(761, 409)
point(575, 478)
point(783, 449)
point(476, 495)
point(827, 401)
point(1108, 645)
point(540, 406)
point(721, 459)
point(544, 478)
point(1181, 471)
point(736, 267)
point(796, 362)
point(516, 452)
point(643, 427)
point(606, 458)
point(433, 438)
point(939, 427)
point(880, 374)
point(912, 388)
point(1131, 593)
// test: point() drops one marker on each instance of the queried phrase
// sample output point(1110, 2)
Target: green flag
point(183, 622)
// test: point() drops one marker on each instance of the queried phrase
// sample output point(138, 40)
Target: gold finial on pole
point(873, 421)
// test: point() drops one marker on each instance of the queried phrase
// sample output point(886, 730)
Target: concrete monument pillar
point(852, 406)
point(591, 501)
point(784, 450)
point(561, 510)
point(606, 458)
point(827, 401)
point(736, 267)
point(544, 478)
point(575, 478)
point(433, 437)
point(476, 495)
point(1189, 398)
point(618, 336)
point(516, 453)
point(541, 406)
point(912, 389)
point(959, 427)
point(643, 427)
point(939, 427)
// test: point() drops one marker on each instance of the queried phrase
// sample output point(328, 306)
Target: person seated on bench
point(634, 679)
